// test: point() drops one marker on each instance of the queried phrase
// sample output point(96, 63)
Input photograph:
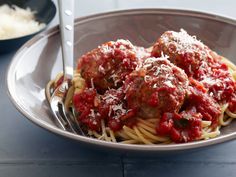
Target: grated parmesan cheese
point(92, 83)
point(118, 110)
point(169, 84)
point(109, 98)
point(17, 22)
point(115, 79)
point(92, 113)
point(101, 69)
point(185, 43)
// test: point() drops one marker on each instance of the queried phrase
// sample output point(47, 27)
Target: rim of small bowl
point(137, 147)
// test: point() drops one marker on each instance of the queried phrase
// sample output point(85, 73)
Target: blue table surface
point(28, 150)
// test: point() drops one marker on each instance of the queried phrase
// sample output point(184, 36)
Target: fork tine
point(60, 122)
point(73, 116)
point(69, 120)
point(63, 117)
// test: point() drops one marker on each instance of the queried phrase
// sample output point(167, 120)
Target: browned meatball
point(183, 50)
point(107, 65)
point(198, 62)
point(157, 87)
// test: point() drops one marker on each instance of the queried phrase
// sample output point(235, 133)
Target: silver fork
point(64, 119)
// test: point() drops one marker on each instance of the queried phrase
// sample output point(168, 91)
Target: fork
point(64, 119)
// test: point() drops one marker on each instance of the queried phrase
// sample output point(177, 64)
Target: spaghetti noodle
point(181, 91)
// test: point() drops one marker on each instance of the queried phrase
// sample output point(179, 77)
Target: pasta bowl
point(42, 56)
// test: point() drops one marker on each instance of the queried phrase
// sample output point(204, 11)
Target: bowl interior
point(42, 56)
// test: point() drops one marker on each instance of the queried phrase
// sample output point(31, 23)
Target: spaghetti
point(177, 91)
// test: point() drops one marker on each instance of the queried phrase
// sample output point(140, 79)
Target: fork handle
point(66, 15)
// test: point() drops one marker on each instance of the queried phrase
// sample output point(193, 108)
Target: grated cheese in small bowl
point(17, 22)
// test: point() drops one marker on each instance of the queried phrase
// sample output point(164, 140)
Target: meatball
point(158, 86)
point(184, 50)
point(106, 66)
point(198, 62)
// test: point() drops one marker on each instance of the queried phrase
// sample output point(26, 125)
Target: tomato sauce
point(181, 83)
point(232, 103)
point(182, 127)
